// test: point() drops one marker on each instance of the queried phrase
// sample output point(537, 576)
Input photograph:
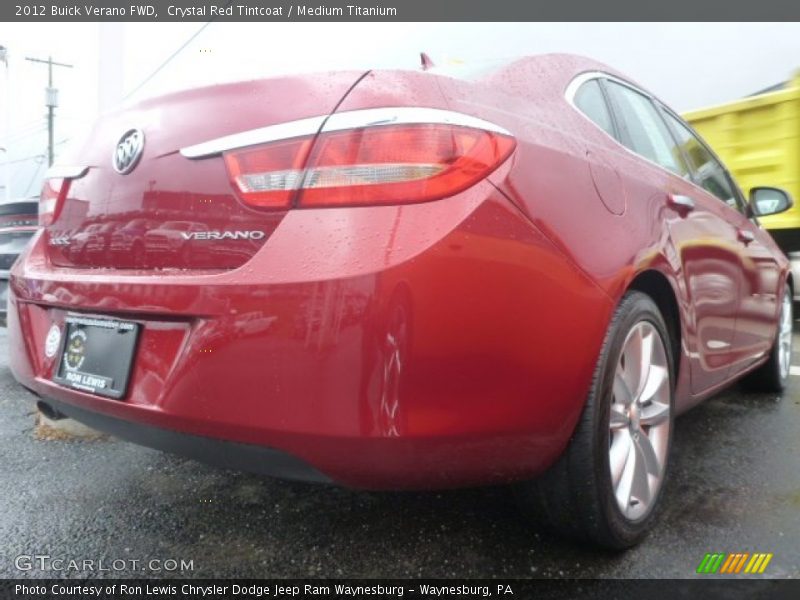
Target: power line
point(22, 138)
point(173, 55)
point(31, 156)
point(35, 173)
point(164, 64)
point(38, 121)
point(21, 133)
point(23, 159)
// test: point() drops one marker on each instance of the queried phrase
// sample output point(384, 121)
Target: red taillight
point(53, 192)
point(268, 176)
point(387, 164)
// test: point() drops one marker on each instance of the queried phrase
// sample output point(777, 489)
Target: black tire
point(575, 497)
point(771, 377)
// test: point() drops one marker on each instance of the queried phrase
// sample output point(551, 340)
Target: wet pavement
point(734, 487)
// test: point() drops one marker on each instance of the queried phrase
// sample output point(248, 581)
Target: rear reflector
point(55, 189)
point(373, 165)
point(50, 199)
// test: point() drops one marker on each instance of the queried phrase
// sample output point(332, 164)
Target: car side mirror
point(766, 201)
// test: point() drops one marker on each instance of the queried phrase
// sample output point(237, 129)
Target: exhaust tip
point(50, 412)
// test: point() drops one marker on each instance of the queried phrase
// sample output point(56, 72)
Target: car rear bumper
point(221, 453)
point(435, 345)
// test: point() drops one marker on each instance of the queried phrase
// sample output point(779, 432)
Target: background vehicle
point(404, 279)
point(128, 239)
point(758, 137)
point(79, 241)
point(98, 243)
point(18, 223)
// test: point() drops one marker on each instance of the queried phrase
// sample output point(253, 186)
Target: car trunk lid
point(169, 211)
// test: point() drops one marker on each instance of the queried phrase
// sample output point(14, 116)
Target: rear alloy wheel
point(773, 375)
point(607, 484)
point(639, 421)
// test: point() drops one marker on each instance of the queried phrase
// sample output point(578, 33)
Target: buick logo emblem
point(128, 151)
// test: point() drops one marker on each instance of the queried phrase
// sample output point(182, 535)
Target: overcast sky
point(689, 65)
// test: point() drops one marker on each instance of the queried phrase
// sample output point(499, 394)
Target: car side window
point(644, 131)
point(708, 171)
point(589, 99)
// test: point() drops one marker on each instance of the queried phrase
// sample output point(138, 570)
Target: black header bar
point(398, 10)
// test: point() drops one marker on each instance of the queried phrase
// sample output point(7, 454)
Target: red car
point(400, 279)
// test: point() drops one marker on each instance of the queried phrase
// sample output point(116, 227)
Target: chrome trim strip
point(404, 115)
point(262, 135)
point(66, 172)
point(354, 119)
point(579, 80)
point(575, 84)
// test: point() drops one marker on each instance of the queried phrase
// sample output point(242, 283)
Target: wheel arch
point(657, 286)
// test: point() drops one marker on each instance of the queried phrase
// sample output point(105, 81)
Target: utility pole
point(7, 111)
point(50, 100)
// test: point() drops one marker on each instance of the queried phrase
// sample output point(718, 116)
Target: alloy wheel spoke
point(622, 393)
point(654, 414)
point(640, 484)
point(619, 419)
point(625, 479)
point(656, 379)
point(619, 455)
point(787, 313)
point(631, 365)
point(646, 363)
point(647, 453)
point(785, 337)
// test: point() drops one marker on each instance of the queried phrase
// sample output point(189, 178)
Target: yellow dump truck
point(758, 138)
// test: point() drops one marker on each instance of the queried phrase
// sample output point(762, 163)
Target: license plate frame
point(97, 355)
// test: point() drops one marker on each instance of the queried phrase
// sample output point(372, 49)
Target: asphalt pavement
point(734, 487)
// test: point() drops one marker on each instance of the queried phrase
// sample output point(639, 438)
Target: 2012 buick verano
point(400, 279)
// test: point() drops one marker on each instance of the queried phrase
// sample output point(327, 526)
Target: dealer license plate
point(97, 355)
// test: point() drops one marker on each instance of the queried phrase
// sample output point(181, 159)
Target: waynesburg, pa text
point(259, 591)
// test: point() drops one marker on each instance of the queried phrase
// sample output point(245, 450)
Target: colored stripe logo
point(733, 563)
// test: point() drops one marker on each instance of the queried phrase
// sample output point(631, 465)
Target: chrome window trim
point(353, 119)
point(571, 92)
point(66, 172)
point(569, 96)
point(737, 190)
point(579, 80)
point(694, 133)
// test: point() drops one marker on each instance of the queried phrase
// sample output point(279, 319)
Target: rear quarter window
point(589, 99)
point(645, 132)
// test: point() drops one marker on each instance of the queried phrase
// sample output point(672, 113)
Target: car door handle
point(745, 236)
point(680, 202)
